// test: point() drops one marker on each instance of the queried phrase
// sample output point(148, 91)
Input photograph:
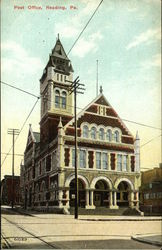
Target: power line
point(150, 141)
point(19, 89)
point(11, 154)
point(21, 129)
point(84, 27)
point(141, 124)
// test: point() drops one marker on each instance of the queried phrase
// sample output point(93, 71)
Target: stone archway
point(101, 194)
point(124, 189)
point(81, 193)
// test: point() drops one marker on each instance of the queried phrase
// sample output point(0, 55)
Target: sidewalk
point(150, 239)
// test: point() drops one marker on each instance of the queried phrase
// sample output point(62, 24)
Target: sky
point(123, 35)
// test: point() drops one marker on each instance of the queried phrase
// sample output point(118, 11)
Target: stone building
point(9, 190)
point(108, 154)
point(151, 191)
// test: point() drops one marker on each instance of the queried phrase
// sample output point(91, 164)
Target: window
point(64, 78)
point(64, 100)
point(85, 131)
point(73, 157)
point(125, 162)
point(119, 162)
point(57, 99)
point(101, 134)
point(57, 77)
point(116, 136)
point(61, 78)
point(93, 133)
point(98, 160)
point(109, 135)
point(104, 161)
point(82, 158)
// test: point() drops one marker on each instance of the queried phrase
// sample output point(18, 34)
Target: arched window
point(101, 134)
point(57, 98)
point(93, 133)
point(116, 136)
point(85, 131)
point(109, 135)
point(64, 100)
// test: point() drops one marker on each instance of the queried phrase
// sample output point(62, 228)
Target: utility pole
point(97, 79)
point(75, 88)
point(13, 132)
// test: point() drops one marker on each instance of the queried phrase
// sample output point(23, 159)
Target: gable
point(100, 112)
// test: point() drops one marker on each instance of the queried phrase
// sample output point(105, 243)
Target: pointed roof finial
point(137, 136)
point(60, 123)
point(101, 89)
point(58, 36)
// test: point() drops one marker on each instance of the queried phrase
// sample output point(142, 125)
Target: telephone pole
point(13, 132)
point(76, 89)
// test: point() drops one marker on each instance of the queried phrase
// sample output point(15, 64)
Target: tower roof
point(59, 51)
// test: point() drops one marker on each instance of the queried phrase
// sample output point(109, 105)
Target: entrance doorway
point(101, 194)
point(123, 194)
point(81, 193)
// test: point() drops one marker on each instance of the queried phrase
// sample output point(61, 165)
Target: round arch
point(71, 177)
point(95, 180)
point(118, 181)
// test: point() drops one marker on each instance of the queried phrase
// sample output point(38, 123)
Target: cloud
point(145, 37)
point(85, 45)
point(15, 58)
point(155, 61)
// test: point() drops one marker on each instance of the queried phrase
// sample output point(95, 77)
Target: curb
point(143, 240)
point(118, 219)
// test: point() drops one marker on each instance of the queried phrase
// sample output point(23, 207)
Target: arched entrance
point(101, 194)
point(81, 193)
point(123, 194)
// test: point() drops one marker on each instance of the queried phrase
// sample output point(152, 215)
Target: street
point(63, 231)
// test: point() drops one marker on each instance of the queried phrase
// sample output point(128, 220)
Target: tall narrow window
point(57, 99)
point(116, 136)
point(64, 100)
point(82, 158)
point(104, 161)
point(64, 78)
point(57, 77)
point(73, 157)
point(61, 78)
point(119, 162)
point(125, 163)
point(109, 135)
point(98, 160)
point(101, 134)
point(93, 133)
point(85, 131)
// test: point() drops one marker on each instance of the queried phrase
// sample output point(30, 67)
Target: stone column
point(137, 199)
point(91, 200)
point(131, 203)
point(114, 203)
point(87, 199)
point(110, 200)
point(60, 198)
point(67, 198)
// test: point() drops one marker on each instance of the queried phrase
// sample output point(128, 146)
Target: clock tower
point(56, 101)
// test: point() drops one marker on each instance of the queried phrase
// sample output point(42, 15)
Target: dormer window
point(64, 100)
point(116, 136)
point(93, 133)
point(57, 98)
point(101, 134)
point(85, 131)
point(109, 135)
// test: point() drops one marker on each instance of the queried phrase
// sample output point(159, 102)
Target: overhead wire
point(20, 130)
point(85, 27)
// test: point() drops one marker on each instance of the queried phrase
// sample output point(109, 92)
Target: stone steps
point(99, 211)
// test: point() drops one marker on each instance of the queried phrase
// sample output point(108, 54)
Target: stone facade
point(108, 155)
